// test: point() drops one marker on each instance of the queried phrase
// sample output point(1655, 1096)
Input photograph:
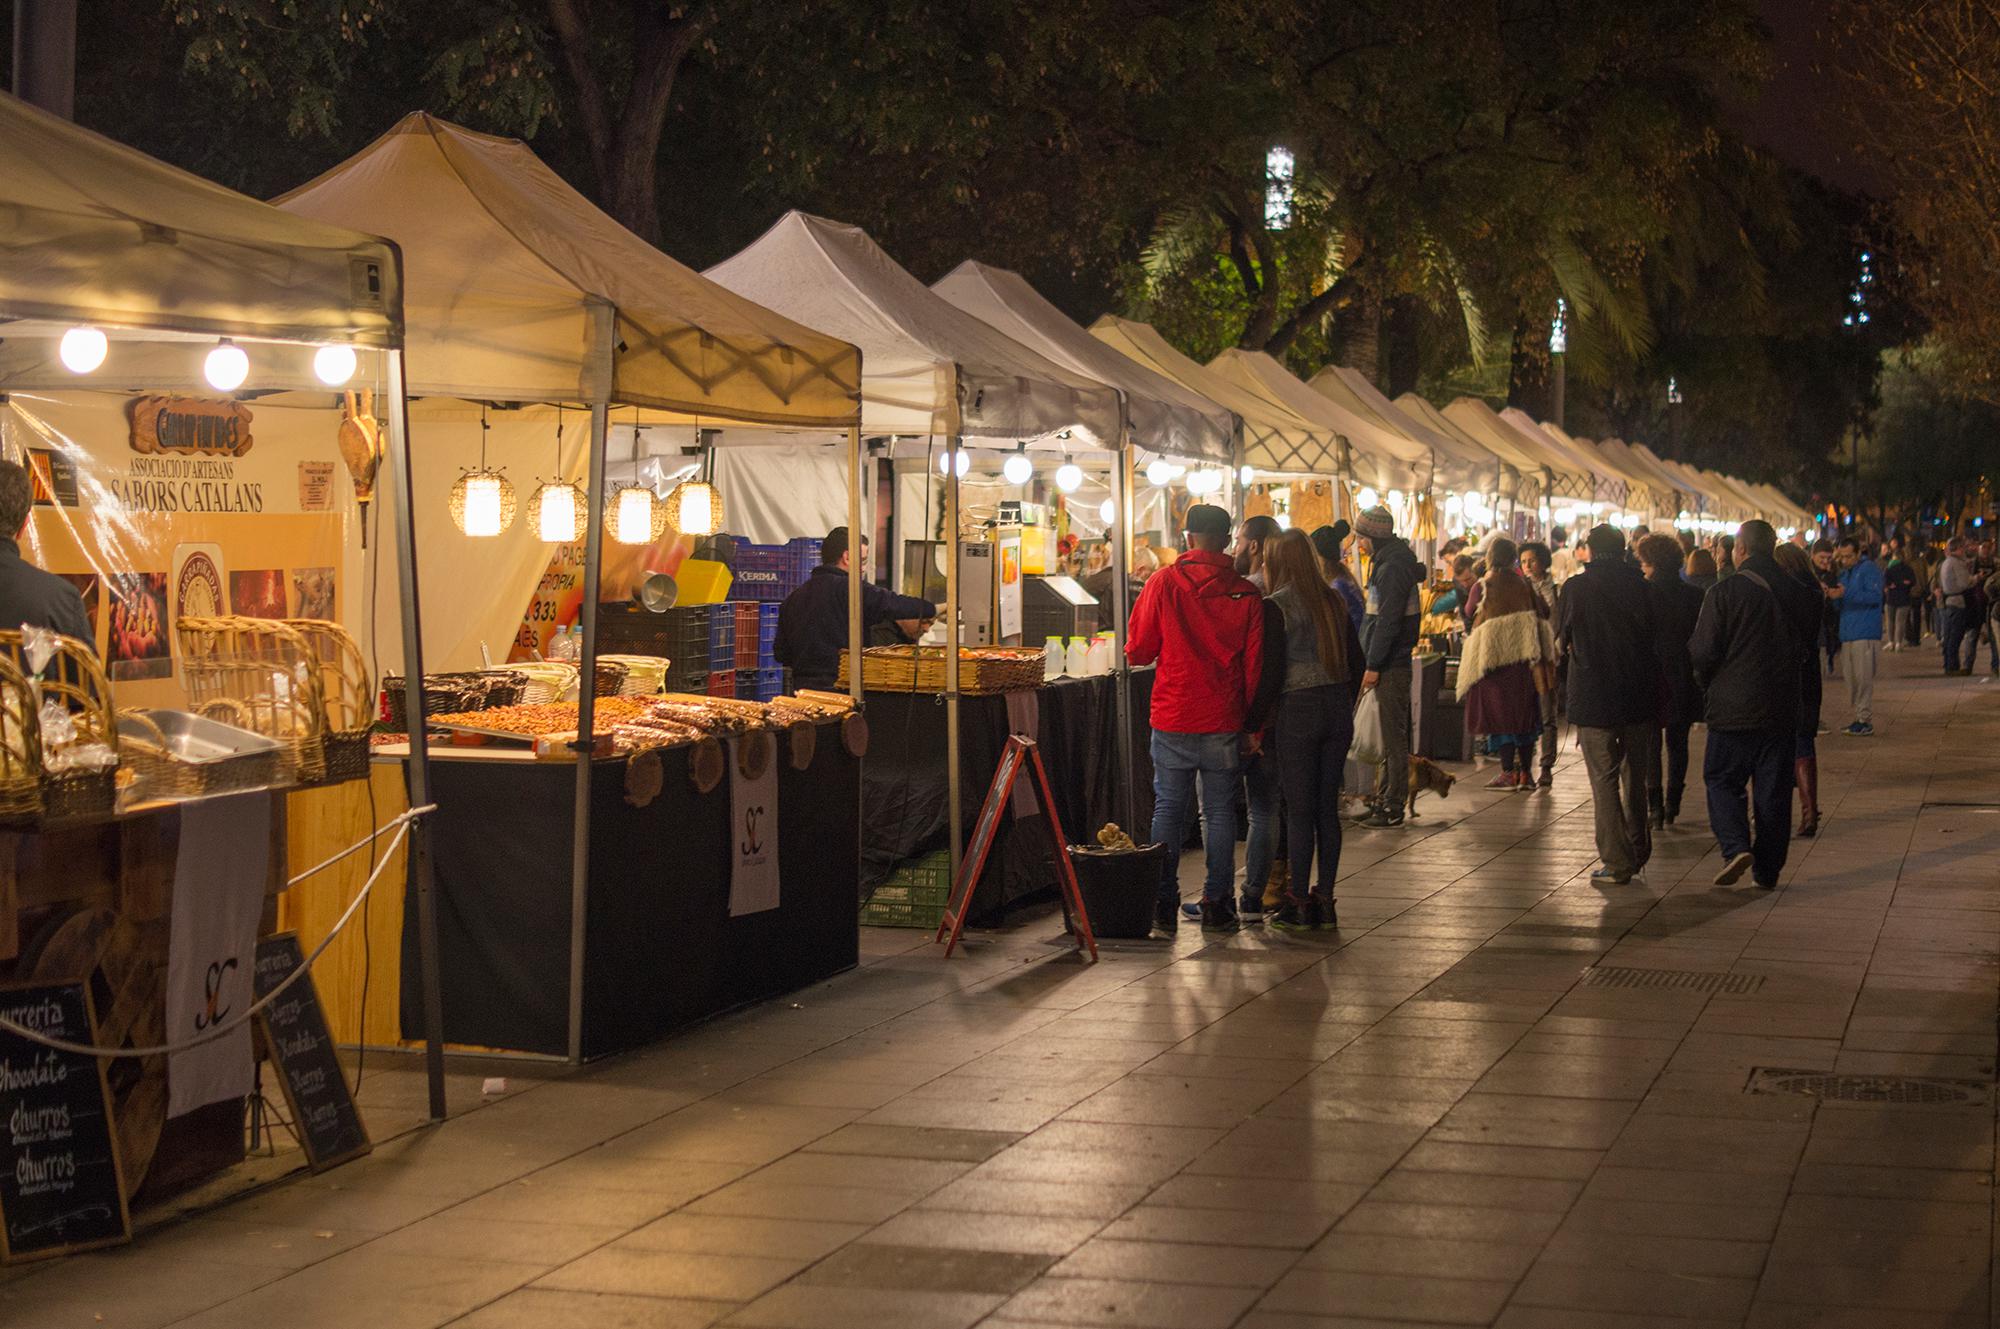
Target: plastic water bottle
point(1076, 662)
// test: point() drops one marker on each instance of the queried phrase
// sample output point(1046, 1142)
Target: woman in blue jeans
point(1323, 667)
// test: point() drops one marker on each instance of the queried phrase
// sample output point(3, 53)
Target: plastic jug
point(1097, 657)
point(1052, 658)
point(1075, 662)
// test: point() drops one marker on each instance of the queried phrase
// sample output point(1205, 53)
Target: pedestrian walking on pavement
point(1757, 635)
point(1899, 585)
point(1954, 589)
point(1812, 692)
point(1507, 657)
point(1677, 604)
point(1254, 539)
point(1388, 635)
point(1322, 675)
point(1605, 628)
point(1536, 560)
point(1859, 597)
point(1203, 626)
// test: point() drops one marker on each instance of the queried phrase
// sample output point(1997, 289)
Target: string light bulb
point(957, 459)
point(1159, 472)
point(83, 349)
point(1017, 469)
point(1108, 511)
point(226, 366)
point(1069, 477)
point(334, 365)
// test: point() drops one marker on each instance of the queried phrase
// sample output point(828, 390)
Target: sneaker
point(1733, 870)
point(1219, 916)
point(1764, 885)
point(1607, 877)
point(1292, 916)
point(1548, 779)
point(1167, 920)
point(1192, 908)
point(1524, 781)
point(1504, 780)
point(1326, 916)
point(1860, 730)
point(1250, 908)
point(1382, 821)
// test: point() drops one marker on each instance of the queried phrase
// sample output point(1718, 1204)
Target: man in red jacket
point(1204, 627)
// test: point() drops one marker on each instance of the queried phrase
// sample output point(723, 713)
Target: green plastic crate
point(914, 896)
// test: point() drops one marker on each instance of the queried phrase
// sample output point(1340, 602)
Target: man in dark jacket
point(29, 595)
point(812, 623)
point(1605, 628)
point(1204, 627)
point(1757, 634)
point(1388, 635)
point(1676, 606)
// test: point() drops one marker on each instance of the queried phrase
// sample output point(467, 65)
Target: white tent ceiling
point(1163, 416)
point(928, 367)
point(507, 263)
point(1456, 465)
point(1524, 473)
point(1566, 477)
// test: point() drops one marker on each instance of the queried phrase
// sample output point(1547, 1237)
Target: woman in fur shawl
point(1508, 652)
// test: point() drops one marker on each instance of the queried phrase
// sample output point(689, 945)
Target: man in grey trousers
point(1606, 625)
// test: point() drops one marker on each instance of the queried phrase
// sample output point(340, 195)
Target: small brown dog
point(1426, 774)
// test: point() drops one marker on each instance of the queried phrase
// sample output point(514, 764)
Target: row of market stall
point(566, 421)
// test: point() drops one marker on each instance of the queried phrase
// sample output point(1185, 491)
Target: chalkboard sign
point(60, 1188)
point(295, 1033)
point(1019, 749)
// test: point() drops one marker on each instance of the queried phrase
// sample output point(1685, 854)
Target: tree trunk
point(1357, 340)
point(1401, 363)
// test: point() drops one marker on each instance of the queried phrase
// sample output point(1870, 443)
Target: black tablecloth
point(904, 787)
point(661, 950)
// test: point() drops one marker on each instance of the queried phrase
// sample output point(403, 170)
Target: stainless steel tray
point(197, 740)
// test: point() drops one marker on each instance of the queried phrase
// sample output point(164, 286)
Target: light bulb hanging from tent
point(555, 509)
point(334, 365)
point(1108, 510)
point(1069, 477)
point(1159, 472)
point(83, 349)
point(226, 366)
point(954, 459)
point(634, 512)
point(1017, 469)
point(695, 505)
point(1245, 475)
point(482, 502)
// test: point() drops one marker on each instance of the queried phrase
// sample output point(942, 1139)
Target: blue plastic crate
point(762, 572)
point(759, 684)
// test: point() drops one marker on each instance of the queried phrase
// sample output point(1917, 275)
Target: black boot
point(1167, 919)
point(1674, 793)
point(1219, 916)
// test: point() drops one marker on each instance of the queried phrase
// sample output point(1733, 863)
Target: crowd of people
point(1267, 645)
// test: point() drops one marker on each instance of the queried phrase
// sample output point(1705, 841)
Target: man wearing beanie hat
point(1389, 631)
point(1203, 625)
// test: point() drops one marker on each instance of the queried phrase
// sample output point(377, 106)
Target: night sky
point(1795, 118)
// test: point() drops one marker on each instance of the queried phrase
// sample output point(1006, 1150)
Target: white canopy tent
point(526, 292)
point(1275, 440)
point(1643, 496)
point(1455, 465)
point(1160, 415)
point(1566, 478)
point(1376, 455)
point(98, 234)
point(1608, 487)
point(1526, 472)
point(928, 368)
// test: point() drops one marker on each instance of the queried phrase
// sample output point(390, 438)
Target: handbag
point(1368, 745)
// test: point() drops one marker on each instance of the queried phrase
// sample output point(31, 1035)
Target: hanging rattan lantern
point(695, 506)
point(635, 516)
point(482, 502)
point(556, 509)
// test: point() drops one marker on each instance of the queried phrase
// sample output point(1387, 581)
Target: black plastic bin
point(1119, 887)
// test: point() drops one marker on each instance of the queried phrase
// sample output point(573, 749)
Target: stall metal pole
point(857, 569)
point(951, 748)
point(597, 382)
point(401, 489)
point(1121, 570)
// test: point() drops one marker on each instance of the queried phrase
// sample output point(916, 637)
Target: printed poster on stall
point(753, 836)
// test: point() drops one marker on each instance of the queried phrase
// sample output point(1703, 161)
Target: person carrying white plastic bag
point(1369, 744)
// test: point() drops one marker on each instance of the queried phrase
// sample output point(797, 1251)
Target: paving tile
point(699, 1276)
point(1395, 1296)
point(544, 1308)
point(965, 1146)
point(1104, 1301)
point(729, 1234)
point(798, 1306)
point(1636, 1291)
point(1174, 1262)
point(925, 1268)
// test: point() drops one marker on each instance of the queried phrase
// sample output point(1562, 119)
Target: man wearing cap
point(1389, 631)
point(1203, 626)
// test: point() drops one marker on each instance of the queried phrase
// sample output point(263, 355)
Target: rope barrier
point(402, 828)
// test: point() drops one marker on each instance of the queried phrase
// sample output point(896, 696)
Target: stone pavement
point(1505, 1097)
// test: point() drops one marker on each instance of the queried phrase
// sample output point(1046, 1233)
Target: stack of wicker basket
point(299, 681)
point(74, 678)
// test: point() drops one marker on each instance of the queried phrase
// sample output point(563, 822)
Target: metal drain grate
point(1915, 1089)
point(1675, 980)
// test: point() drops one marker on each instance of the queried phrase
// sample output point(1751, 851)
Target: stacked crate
point(914, 896)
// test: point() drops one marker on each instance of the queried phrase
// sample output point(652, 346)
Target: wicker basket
point(73, 676)
point(347, 693)
point(992, 669)
point(269, 674)
point(20, 748)
point(161, 775)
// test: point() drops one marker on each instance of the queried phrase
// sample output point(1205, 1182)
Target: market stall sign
point(324, 1116)
point(1019, 751)
point(190, 426)
point(59, 1179)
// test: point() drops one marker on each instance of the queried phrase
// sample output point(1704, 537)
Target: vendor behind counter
point(28, 595)
point(812, 623)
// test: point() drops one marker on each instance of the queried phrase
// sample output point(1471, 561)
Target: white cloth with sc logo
point(753, 835)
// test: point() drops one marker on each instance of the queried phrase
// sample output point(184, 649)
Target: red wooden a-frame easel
point(969, 866)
